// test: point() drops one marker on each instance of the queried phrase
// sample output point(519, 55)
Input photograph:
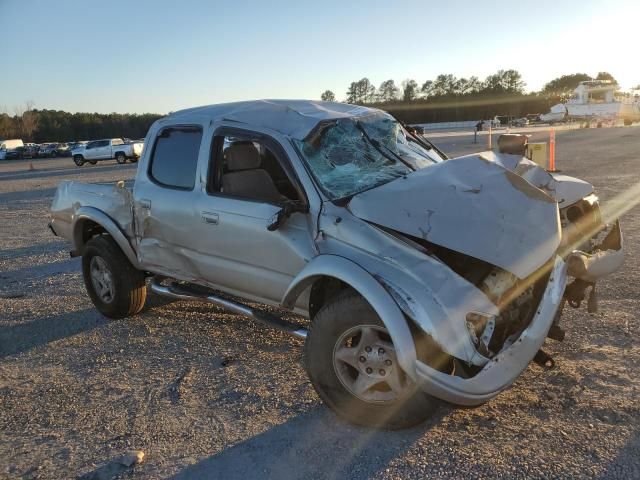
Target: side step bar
point(180, 292)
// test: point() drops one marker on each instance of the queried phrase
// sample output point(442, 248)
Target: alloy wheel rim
point(101, 279)
point(365, 362)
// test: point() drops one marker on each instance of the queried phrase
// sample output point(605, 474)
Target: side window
point(90, 145)
point(175, 157)
point(246, 167)
point(103, 143)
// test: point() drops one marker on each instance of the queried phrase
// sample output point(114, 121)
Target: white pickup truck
point(107, 149)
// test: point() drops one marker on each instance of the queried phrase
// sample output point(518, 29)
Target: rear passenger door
point(164, 201)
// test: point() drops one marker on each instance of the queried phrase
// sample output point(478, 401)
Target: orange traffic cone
point(552, 151)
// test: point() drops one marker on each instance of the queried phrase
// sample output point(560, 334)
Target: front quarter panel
point(367, 286)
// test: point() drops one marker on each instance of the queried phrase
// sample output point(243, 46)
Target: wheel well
point(78, 155)
point(322, 290)
point(119, 153)
point(91, 229)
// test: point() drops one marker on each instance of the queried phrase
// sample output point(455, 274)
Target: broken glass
point(350, 155)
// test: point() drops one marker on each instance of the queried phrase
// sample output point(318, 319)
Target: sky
point(160, 56)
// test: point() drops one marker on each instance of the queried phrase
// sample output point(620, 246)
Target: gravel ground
point(207, 394)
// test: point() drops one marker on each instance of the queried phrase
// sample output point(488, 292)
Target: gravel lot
point(207, 394)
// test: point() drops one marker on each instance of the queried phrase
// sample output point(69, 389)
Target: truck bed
point(114, 199)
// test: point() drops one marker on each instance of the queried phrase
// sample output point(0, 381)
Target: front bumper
point(503, 369)
point(607, 258)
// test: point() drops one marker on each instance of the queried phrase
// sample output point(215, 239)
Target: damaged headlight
point(480, 327)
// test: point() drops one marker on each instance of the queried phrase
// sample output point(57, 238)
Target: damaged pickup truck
point(423, 277)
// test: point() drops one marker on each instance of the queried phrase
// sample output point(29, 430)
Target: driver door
point(246, 187)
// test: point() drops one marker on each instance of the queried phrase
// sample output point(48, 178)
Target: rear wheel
point(352, 363)
point(78, 160)
point(116, 287)
point(121, 158)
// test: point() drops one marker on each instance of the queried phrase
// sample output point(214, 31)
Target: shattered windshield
point(350, 155)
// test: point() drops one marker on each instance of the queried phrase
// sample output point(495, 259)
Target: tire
point(78, 160)
point(121, 158)
point(116, 287)
point(335, 380)
point(93, 162)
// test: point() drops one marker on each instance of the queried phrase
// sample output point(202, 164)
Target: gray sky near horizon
point(161, 56)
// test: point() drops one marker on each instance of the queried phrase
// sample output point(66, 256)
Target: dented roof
point(294, 118)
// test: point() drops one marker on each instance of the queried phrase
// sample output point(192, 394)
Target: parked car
point(424, 277)
point(48, 150)
point(17, 153)
point(63, 150)
point(76, 145)
point(30, 150)
point(107, 149)
point(8, 145)
point(520, 122)
point(533, 118)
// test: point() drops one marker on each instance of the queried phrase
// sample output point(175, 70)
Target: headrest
point(242, 156)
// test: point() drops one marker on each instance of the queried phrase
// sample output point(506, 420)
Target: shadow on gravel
point(627, 462)
point(58, 172)
point(30, 250)
point(41, 331)
point(14, 280)
point(313, 445)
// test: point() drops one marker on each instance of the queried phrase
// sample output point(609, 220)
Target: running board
point(180, 292)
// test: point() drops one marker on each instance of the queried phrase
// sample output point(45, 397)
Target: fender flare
point(98, 216)
point(366, 285)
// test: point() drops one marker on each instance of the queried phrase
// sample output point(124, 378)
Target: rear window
point(175, 157)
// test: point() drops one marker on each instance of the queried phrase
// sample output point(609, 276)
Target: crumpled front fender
point(370, 289)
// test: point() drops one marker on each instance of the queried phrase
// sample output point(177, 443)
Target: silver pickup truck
point(423, 277)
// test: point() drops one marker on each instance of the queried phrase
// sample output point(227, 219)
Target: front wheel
point(352, 363)
point(116, 287)
point(121, 158)
point(78, 160)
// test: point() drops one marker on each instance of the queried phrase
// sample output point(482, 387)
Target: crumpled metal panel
point(294, 118)
point(113, 199)
point(565, 189)
point(472, 206)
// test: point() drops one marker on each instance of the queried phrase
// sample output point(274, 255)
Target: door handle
point(210, 217)
point(145, 204)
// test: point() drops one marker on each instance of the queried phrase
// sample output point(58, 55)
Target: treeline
point(40, 126)
point(444, 99)
point(449, 99)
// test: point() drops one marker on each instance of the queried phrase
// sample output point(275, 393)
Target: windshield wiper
point(378, 146)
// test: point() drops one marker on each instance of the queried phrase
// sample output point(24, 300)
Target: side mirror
point(288, 207)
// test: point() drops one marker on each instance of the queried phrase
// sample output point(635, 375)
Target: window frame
point(213, 174)
point(153, 153)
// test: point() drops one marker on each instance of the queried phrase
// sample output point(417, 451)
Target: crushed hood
point(566, 190)
point(473, 206)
